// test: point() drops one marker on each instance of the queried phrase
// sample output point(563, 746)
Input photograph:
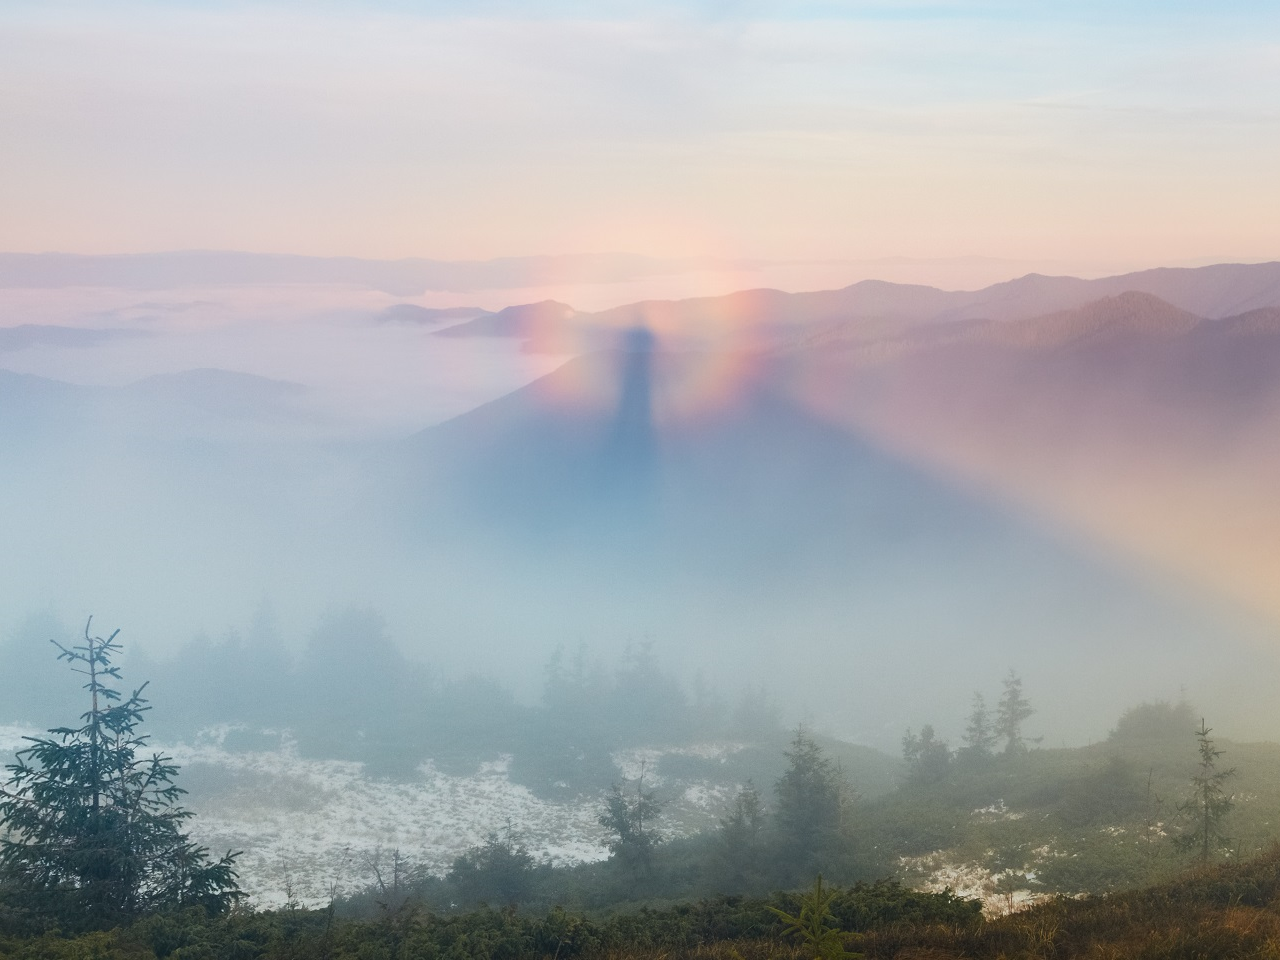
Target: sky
point(829, 141)
point(1088, 134)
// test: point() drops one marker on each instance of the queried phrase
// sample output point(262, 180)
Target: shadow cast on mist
point(756, 535)
point(628, 465)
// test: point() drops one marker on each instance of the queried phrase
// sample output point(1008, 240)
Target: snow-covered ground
point(307, 827)
point(1001, 891)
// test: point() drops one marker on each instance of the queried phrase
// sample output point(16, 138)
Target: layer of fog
point(183, 506)
point(363, 378)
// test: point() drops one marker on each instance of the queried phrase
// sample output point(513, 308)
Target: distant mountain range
point(1212, 291)
point(771, 315)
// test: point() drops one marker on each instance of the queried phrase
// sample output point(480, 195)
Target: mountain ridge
point(1212, 292)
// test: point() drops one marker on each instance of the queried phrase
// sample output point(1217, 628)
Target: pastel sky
point(1127, 132)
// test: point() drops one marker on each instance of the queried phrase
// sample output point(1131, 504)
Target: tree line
point(988, 734)
point(94, 829)
point(806, 823)
point(351, 693)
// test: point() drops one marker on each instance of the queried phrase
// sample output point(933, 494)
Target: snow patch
point(309, 829)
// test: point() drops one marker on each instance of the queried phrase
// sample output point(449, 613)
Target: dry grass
point(1228, 913)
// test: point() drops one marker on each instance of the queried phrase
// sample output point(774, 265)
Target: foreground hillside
point(1006, 831)
point(1228, 913)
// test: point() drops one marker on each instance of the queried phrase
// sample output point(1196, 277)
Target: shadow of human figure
point(627, 472)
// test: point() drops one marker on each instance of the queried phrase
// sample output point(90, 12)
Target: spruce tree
point(499, 872)
point(928, 759)
point(631, 825)
point(1014, 708)
point(737, 855)
point(94, 828)
point(811, 798)
point(980, 736)
point(1209, 802)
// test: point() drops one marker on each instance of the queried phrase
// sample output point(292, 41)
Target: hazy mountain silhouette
point(538, 456)
point(524, 321)
point(873, 308)
point(539, 453)
point(785, 521)
point(1131, 421)
point(1138, 352)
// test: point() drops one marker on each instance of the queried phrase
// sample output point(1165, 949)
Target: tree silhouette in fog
point(1209, 801)
point(1013, 711)
point(631, 820)
point(811, 796)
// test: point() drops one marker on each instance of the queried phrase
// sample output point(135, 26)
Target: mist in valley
point(742, 498)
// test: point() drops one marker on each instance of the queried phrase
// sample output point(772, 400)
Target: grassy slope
point(1091, 819)
point(1219, 914)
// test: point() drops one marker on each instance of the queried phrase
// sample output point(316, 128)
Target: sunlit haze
point(488, 422)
